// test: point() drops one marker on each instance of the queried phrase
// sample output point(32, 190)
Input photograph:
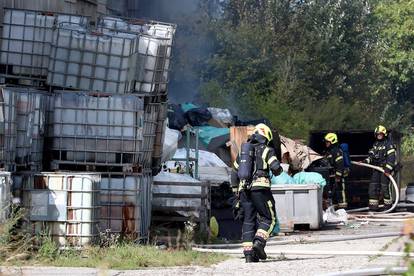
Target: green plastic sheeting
point(282, 179)
point(188, 106)
point(309, 178)
point(299, 178)
point(207, 133)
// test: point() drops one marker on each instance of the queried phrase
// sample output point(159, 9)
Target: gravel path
point(290, 265)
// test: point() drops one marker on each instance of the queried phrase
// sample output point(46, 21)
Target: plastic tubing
point(394, 184)
point(370, 271)
point(276, 252)
point(305, 241)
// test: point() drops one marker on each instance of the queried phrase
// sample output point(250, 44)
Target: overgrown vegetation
point(321, 64)
point(17, 247)
point(129, 256)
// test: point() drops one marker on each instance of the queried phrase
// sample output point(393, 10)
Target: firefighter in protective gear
point(335, 157)
point(256, 200)
point(383, 154)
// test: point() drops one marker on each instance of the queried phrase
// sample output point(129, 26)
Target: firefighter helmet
point(264, 131)
point(381, 129)
point(332, 138)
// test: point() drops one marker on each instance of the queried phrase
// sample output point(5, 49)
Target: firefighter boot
point(251, 257)
point(387, 204)
point(373, 205)
point(258, 248)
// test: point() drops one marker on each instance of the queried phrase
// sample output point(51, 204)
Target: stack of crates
point(86, 100)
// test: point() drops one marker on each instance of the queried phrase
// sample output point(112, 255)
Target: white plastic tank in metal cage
point(153, 64)
point(93, 61)
point(87, 129)
point(146, 199)
point(31, 127)
point(154, 51)
point(124, 204)
point(5, 195)
point(160, 137)
point(24, 127)
point(149, 134)
point(8, 130)
point(66, 205)
point(26, 40)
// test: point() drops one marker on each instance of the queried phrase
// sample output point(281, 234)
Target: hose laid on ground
point(305, 241)
point(394, 184)
point(370, 271)
point(380, 220)
point(390, 217)
point(276, 252)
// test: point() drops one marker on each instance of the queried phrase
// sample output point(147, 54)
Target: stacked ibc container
point(153, 59)
point(152, 76)
point(26, 44)
point(97, 114)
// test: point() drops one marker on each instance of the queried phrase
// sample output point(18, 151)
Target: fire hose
point(390, 177)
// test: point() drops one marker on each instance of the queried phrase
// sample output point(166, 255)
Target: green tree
point(301, 64)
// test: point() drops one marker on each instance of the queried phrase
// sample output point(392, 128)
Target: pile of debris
point(200, 146)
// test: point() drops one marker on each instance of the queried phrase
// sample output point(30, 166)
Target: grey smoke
point(191, 44)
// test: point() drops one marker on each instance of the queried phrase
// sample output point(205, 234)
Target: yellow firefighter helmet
point(381, 129)
point(265, 131)
point(332, 138)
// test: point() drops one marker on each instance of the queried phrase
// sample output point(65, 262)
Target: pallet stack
point(87, 99)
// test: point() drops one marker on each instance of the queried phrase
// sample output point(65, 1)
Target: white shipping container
point(64, 204)
point(92, 129)
point(27, 37)
point(92, 61)
point(5, 195)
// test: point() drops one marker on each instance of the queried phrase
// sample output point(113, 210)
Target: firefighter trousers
point(259, 216)
point(380, 184)
point(339, 192)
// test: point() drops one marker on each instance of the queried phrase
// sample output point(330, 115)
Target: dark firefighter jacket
point(383, 154)
point(265, 161)
point(335, 157)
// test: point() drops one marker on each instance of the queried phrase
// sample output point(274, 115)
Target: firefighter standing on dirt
point(334, 154)
point(384, 155)
point(251, 177)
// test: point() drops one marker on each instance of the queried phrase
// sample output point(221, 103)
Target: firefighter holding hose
point(383, 154)
point(251, 178)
